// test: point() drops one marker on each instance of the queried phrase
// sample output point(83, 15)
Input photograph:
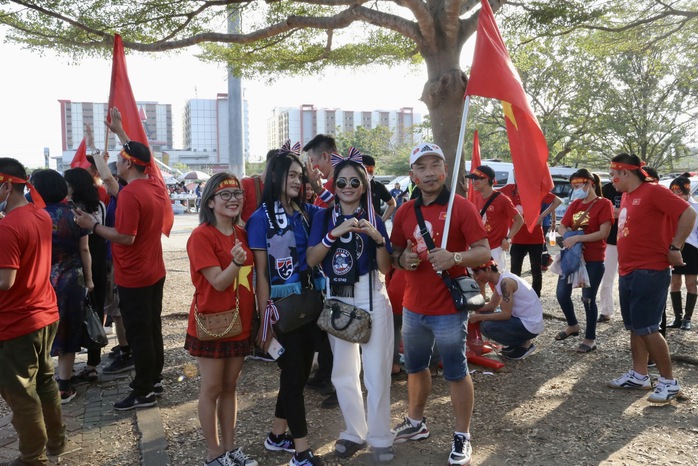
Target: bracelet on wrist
point(238, 264)
point(328, 240)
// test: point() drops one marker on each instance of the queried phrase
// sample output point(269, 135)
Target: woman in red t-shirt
point(221, 270)
point(592, 214)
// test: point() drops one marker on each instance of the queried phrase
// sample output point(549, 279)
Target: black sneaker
point(158, 389)
point(406, 431)
point(280, 443)
point(305, 458)
point(123, 363)
point(330, 402)
point(520, 352)
point(115, 352)
point(133, 401)
point(68, 395)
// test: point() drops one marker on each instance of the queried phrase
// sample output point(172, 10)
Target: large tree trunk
point(443, 96)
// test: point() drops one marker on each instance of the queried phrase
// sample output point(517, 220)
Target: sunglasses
point(343, 182)
point(228, 195)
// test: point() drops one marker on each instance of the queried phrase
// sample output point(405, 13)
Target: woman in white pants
point(352, 244)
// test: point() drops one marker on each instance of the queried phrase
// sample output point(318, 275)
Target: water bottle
point(552, 237)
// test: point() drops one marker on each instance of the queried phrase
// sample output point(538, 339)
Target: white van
point(503, 171)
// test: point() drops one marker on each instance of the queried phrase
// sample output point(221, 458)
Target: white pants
point(377, 356)
point(606, 305)
point(499, 255)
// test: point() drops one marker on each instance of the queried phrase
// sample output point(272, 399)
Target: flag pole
point(456, 170)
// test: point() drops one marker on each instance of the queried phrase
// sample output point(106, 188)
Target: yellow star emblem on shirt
point(244, 277)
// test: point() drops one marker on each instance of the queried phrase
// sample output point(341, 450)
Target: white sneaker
point(664, 392)
point(461, 450)
point(630, 380)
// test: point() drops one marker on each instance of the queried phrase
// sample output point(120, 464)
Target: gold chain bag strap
point(219, 325)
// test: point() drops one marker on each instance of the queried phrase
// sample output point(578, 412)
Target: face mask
point(3, 204)
point(578, 193)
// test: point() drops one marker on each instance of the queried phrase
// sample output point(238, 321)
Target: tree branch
point(424, 19)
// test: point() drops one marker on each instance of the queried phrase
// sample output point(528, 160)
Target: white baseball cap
point(425, 148)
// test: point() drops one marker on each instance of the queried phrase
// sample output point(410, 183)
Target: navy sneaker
point(133, 401)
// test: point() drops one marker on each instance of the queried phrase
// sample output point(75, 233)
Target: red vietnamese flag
point(493, 75)
point(80, 157)
point(121, 97)
point(475, 162)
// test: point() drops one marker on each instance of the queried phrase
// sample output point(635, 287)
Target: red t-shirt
point(524, 236)
point(329, 185)
point(644, 235)
point(600, 213)
point(139, 212)
point(208, 247)
point(25, 246)
point(497, 219)
point(425, 292)
point(250, 202)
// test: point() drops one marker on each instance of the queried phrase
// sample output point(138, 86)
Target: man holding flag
point(142, 214)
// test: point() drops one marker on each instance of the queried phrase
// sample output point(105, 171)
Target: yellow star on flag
point(509, 113)
point(244, 277)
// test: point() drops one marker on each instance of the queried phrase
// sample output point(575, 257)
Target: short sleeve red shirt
point(329, 185)
point(25, 246)
point(497, 218)
point(644, 227)
point(600, 213)
point(425, 292)
point(139, 212)
point(103, 194)
point(208, 247)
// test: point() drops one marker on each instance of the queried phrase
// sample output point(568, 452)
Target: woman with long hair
point(278, 234)
point(590, 215)
point(352, 243)
point(83, 192)
point(221, 271)
point(681, 186)
point(71, 273)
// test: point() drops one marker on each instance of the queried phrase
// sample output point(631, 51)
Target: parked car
point(693, 179)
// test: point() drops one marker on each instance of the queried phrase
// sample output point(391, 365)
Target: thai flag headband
point(287, 149)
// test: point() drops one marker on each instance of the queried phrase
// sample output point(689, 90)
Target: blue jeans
point(595, 269)
point(420, 332)
point(506, 332)
point(642, 296)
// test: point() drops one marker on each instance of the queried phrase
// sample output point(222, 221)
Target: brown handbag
point(219, 325)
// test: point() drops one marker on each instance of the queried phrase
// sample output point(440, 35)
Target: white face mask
point(578, 193)
point(3, 204)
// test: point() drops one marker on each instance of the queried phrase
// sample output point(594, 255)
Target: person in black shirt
point(378, 190)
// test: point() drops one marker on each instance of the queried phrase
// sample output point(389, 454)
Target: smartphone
point(275, 349)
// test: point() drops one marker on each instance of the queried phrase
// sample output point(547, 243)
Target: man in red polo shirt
point(429, 314)
point(499, 215)
point(139, 269)
point(28, 320)
point(253, 187)
point(653, 225)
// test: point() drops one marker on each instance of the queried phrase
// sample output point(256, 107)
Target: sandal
point(344, 448)
point(584, 348)
point(88, 374)
point(564, 335)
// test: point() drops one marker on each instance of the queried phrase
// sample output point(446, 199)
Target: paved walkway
point(96, 433)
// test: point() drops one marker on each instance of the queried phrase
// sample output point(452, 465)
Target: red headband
point(486, 264)
point(579, 179)
point(627, 166)
point(36, 197)
point(228, 183)
point(480, 174)
point(134, 160)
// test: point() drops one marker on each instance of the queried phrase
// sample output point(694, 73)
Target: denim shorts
point(643, 296)
point(420, 332)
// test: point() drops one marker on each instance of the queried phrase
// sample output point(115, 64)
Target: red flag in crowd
point(475, 162)
point(493, 75)
point(80, 157)
point(121, 97)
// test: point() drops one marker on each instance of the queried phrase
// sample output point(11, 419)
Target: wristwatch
point(674, 248)
point(457, 257)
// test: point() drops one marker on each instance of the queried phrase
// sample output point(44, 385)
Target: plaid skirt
point(218, 349)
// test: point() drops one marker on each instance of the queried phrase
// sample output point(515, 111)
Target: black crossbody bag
point(464, 291)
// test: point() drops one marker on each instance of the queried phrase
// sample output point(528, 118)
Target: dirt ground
point(552, 408)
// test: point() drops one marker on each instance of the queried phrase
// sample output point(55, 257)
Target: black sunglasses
point(343, 182)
